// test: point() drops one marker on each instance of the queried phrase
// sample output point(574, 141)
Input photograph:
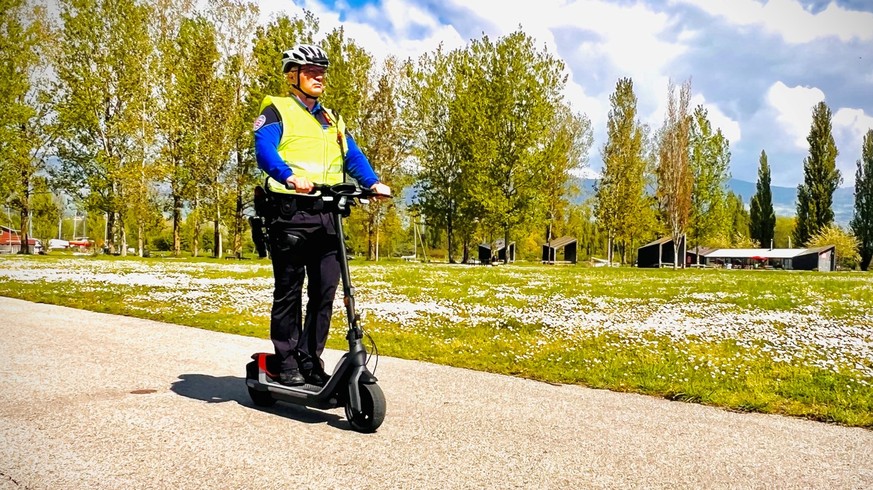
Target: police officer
point(299, 142)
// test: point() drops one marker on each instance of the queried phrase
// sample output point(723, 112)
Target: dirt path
point(89, 400)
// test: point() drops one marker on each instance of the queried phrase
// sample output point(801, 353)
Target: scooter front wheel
point(372, 409)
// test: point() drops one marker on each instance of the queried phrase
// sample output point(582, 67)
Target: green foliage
point(385, 138)
point(820, 178)
point(27, 128)
point(517, 90)
point(761, 214)
point(436, 109)
point(862, 221)
point(349, 82)
point(846, 245)
point(709, 162)
point(623, 208)
point(738, 222)
point(782, 231)
point(567, 151)
point(675, 179)
point(103, 89)
point(235, 21)
point(280, 34)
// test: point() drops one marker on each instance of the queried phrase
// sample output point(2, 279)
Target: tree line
point(141, 112)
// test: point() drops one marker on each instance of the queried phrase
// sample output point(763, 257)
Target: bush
point(845, 244)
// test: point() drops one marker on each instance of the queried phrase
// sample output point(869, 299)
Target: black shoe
point(291, 378)
point(315, 376)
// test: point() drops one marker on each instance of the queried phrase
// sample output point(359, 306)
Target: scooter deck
point(305, 388)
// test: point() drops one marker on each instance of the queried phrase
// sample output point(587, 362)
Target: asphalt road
point(90, 400)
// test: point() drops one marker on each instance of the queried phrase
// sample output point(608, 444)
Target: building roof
point(765, 253)
point(701, 250)
point(498, 245)
point(659, 241)
point(560, 242)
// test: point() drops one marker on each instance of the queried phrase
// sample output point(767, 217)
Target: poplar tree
point(739, 220)
point(102, 89)
point(820, 177)
point(566, 152)
point(438, 98)
point(202, 97)
point(517, 91)
point(862, 221)
point(27, 130)
point(385, 138)
point(234, 21)
point(349, 84)
point(762, 217)
point(710, 159)
point(170, 121)
point(620, 200)
point(269, 42)
point(674, 172)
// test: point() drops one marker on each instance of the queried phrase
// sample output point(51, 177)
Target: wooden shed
point(561, 250)
point(659, 253)
point(485, 254)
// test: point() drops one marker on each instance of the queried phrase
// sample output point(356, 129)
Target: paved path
point(89, 400)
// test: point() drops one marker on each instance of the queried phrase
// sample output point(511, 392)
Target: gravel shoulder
point(91, 400)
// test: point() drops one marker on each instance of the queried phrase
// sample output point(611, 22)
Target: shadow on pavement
point(220, 389)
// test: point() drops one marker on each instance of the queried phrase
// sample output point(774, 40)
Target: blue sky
point(758, 67)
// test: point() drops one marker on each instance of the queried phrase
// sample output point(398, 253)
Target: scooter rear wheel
point(372, 409)
point(262, 398)
point(259, 398)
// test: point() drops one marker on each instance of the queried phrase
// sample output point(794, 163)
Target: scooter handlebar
point(347, 189)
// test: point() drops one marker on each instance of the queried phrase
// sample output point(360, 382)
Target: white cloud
point(853, 122)
point(789, 19)
point(630, 36)
point(793, 106)
point(849, 128)
point(593, 107)
point(718, 119)
point(604, 40)
point(403, 17)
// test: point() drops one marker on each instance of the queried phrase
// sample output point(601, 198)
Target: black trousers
point(303, 244)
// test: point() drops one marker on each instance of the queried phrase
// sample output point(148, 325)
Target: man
point(298, 142)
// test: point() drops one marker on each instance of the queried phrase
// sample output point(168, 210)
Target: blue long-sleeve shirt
point(268, 133)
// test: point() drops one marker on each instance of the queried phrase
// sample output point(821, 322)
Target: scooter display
point(351, 384)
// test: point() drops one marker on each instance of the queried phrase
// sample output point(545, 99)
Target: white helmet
point(304, 54)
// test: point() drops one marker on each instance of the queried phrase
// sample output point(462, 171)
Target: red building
point(10, 241)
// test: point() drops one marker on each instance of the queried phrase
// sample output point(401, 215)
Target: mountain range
point(784, 198)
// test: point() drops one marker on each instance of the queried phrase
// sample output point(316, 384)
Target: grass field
point(793, 343)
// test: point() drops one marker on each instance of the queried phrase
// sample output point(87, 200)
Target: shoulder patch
point(259, 122)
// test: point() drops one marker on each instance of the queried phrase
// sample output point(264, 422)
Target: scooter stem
point(355, 332)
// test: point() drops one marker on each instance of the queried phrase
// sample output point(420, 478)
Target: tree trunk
point(506, 245)
point(195, 242)
point(217, 245)
point(140, 243)
point(110, 232)
point(238, 218)
point(123, 235)
point(449, 233)
point(238, 227)
point(177, 225)
point(216, 238)
point(25, 235)
point(865, 261)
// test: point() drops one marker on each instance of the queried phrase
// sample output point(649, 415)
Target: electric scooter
point(351, 384)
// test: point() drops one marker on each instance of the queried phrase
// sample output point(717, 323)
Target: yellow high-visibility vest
point(308, 148)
